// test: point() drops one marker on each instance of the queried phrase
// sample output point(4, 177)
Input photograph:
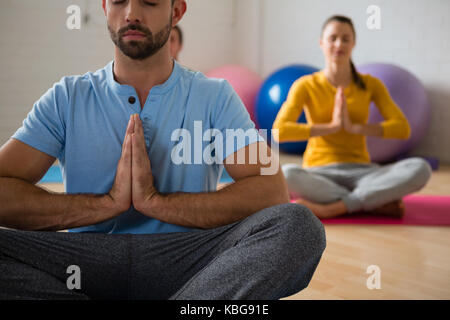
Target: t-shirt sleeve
point(286, 128)
point(396, 124)
point(44, 127)
point(232, 119)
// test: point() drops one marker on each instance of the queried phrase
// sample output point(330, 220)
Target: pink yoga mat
point(419, 210)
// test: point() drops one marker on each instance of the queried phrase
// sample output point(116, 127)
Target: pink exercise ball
point(245, 82)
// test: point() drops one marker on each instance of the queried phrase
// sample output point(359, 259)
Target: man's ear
point(178, 10)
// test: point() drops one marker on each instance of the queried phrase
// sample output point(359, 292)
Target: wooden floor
point(414, 261)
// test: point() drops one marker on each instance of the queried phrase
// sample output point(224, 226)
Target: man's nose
point(133, 13)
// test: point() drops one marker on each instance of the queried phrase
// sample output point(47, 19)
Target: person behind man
point(176, 41)
point(141, 225)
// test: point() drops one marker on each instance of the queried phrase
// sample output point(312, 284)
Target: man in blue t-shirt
point(142, 144)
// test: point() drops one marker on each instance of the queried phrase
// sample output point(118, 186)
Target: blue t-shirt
point(82, 121)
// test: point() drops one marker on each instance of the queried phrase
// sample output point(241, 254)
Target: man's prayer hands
point(133, 184)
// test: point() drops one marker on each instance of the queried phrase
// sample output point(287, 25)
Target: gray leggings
point(270, 254)
point(359, 186)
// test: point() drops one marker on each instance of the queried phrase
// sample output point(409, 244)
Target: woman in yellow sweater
point(337, 176)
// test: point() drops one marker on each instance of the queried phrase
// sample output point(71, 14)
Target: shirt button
point(132, 100)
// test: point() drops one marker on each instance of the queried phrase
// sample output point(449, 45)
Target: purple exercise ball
point(410, 95)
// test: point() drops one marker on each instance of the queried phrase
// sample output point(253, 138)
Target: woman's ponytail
point(356, 77)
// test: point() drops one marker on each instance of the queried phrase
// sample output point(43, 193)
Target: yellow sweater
point(315, 94)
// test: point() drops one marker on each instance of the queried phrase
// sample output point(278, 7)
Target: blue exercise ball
point(273, 94)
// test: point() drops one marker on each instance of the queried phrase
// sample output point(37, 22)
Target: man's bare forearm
point(230, 204)
point(28, 207)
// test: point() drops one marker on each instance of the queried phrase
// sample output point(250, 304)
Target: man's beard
point(142, 49)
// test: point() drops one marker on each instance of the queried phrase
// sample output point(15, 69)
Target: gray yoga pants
point(359, 186)
point(268, 255)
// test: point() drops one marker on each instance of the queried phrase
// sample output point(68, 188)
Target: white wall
point(248, 35)
point(36, 49)
point(208, 27)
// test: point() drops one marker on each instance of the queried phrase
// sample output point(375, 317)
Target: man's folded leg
point(35, 265)
point(19, 281)
point(270, 254)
